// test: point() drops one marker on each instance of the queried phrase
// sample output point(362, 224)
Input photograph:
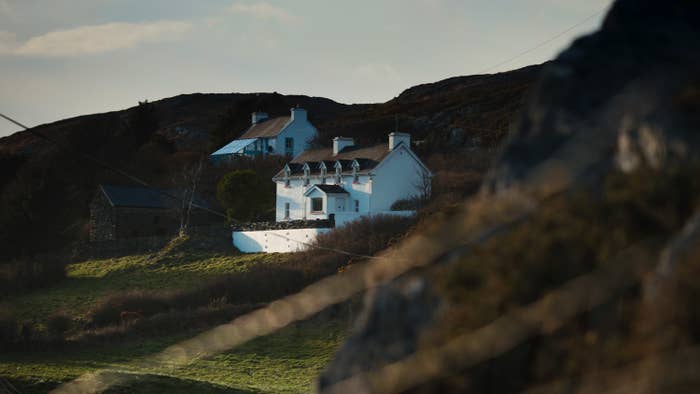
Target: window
point(286, 210)
point(357, 205)
point(287, 173)
point(355, 168)
point(338, 173)
point(307, 170)
point(289, 146)
point(323, 172)
point(317, 204)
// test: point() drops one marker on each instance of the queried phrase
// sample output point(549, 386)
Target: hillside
point(156, 140)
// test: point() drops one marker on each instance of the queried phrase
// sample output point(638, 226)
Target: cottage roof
point(367, 157)
point(143, 197)
point(267, 128)
point(328, 189)
point(234, 146)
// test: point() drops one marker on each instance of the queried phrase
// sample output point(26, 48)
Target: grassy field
point(90, 280)
point(285, 362)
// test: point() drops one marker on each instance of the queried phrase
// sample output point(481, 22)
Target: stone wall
point(286, 225)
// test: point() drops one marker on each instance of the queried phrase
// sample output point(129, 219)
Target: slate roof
point(234, 146)
point(267, 128)
point(367, 157)
point(143, 197)
point(330, 189)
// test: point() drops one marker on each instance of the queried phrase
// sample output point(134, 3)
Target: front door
point(340, 204)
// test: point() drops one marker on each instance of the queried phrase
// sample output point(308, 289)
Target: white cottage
point(283, 135)
point(341, 183)
point(348, 181)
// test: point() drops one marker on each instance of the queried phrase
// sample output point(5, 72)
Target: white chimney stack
point(340, 143)
point(399, 138)
point(298, 114)
point(258, 117)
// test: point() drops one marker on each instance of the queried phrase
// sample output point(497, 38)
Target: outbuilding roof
point(267, 128)
point(234, 146)
point(143, 197)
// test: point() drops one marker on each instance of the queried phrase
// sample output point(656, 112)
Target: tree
point(246, 195)
point(190, 179)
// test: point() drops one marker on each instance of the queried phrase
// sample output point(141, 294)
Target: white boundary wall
point(294, 240)
point(275, 241)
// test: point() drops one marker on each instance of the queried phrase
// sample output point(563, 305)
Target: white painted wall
point(396, 177)
point(300, 129)
point(275, 241)
point(299, 204)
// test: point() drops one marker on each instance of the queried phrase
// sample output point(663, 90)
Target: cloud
point(263, 10)
point(93, 39)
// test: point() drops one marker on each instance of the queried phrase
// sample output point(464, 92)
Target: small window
point(355, 168)
point(317, 204)
point(357, 205)
point(307, 171)
point(286, 210)
point(286, 182)
point(289, 146)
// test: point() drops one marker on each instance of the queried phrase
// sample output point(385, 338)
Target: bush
point(108, 310)
point(58, 324)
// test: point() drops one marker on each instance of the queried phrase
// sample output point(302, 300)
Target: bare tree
point(424, 186)
point(189, 180)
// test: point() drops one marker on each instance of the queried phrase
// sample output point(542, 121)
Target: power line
point(543, 43)
point(106, 165)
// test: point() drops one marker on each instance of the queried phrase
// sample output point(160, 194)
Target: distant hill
point(45, 189)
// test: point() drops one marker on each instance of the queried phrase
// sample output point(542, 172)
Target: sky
point(64, 58)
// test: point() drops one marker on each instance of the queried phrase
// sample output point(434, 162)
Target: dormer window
point(323, 169)
point(355, 169)
point(307, 171)
point(287, 173)
point(338, 172)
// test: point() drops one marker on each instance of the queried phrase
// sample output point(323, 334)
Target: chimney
point(340, 143)
point(298, 114)
point(399, 138)
point(257, 117)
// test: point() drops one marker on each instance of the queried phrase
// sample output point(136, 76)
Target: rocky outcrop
point(631, 88)
point(622, 99)
point(387, 330)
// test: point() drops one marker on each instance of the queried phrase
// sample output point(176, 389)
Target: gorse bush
point(108, 311)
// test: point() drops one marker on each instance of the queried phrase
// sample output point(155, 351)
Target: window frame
point(289, 146)
point(312, 201)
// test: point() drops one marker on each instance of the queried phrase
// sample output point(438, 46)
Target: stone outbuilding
point(119, 212)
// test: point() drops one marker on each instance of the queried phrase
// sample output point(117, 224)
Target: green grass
point(285, 362)
point(88, 281)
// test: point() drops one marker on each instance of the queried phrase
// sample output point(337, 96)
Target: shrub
point(57, 324)
point(108, 310)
